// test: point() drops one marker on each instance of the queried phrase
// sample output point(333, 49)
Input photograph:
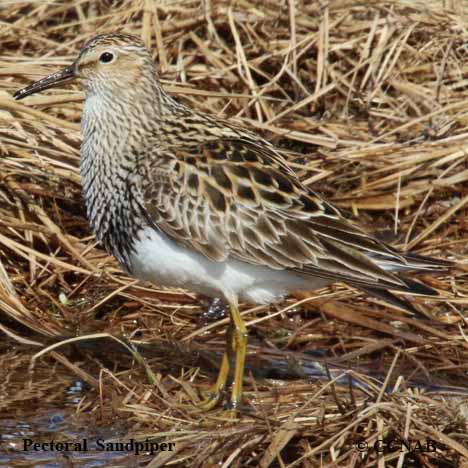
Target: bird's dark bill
point(67, 74)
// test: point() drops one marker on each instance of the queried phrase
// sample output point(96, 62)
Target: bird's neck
point(119, 123)
point(120, 130)
point(115, 129)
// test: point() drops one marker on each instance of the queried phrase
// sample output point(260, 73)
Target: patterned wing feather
point(235, 198)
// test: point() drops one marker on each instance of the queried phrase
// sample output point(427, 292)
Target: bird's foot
point(231, 410)
point(210, 401)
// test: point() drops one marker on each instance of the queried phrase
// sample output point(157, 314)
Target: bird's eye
point(106, 57)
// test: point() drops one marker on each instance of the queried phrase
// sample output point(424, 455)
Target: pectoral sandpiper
point(186, 199)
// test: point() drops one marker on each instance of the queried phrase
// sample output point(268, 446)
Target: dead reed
point(369, 101)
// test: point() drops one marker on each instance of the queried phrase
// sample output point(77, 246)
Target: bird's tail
point(413, 262)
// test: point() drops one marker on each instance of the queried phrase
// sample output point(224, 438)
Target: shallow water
point(52, 425)
point(46, 407)
point(56, 426)
point(51, 405)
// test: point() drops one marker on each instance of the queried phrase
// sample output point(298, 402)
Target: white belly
point(161, 261)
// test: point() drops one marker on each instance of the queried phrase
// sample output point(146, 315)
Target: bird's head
point(109, 62)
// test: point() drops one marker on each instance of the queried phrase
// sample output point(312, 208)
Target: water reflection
point(47, 410)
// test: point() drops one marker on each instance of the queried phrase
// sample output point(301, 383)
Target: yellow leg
point(239, 343)
point(215, 393)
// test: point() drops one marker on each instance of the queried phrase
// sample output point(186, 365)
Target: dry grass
point(370, 102)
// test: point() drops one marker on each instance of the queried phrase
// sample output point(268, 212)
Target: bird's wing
point(234, 198)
